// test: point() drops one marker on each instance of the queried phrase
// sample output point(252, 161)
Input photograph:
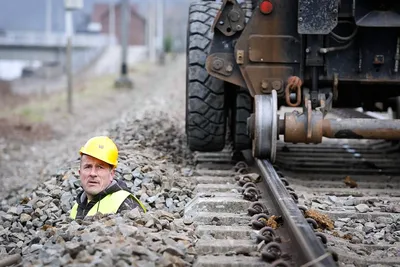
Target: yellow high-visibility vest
point(109, 204)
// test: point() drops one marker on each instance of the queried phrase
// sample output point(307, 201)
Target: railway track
point(353, 183)
point(358, 187)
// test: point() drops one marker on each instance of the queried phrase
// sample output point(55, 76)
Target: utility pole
point(48, 17)
point(111, 22)
point(48, 29)
point(160, 31)
point(146, 35)
point(69, 32)
point(70, 5)
point(123, 81)
point(152, 30)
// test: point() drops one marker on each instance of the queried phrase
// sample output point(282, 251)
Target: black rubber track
point(205, 97)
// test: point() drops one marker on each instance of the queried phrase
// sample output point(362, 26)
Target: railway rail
point(335, 203)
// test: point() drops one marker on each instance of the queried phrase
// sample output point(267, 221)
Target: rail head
point(310, 250)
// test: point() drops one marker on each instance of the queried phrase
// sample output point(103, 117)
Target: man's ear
point(112, 174)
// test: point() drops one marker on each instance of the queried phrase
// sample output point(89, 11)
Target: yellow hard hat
point(102, 148)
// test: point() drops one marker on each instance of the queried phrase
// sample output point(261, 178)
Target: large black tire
point(242, 110)
point(205, 96)
point(242, 103)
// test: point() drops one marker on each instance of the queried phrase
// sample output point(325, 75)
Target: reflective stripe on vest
point(109, 204)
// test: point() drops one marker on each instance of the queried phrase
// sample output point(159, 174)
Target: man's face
point(95, 175)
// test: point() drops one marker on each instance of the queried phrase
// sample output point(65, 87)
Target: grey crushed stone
point(362, 208)
point(36, 223)
point(152, 153)
point(367, 230)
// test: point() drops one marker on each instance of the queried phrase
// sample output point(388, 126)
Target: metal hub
point(265, 129)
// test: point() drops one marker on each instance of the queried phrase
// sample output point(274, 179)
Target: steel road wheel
point(265, 126)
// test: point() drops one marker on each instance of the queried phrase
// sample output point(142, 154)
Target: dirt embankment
point(37, 135)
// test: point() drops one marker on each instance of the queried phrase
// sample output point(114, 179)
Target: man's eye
point(101, 167)
point(86, 167)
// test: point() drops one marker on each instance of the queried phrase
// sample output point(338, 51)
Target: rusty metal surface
point(264, 49)
point(362, 129)
point(264, 79)
point(310, 127)
point(270, 49)
point(230, 19)
point(293, 85)
point(296, 130)
point(365, 80)
point(222, 66)
point(271, 65)
point(317, 16)
point(222, 62)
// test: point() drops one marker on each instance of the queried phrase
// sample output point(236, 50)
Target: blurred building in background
point(101, 16)
point(48, 16)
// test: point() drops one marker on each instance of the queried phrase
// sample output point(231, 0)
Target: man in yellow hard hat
point(101, 192)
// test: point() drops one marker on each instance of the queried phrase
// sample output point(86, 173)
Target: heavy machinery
point(246, 60)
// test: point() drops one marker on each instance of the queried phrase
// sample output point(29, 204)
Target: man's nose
point(93, 171)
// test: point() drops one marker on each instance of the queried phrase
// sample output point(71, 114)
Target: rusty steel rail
point(311, 251)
